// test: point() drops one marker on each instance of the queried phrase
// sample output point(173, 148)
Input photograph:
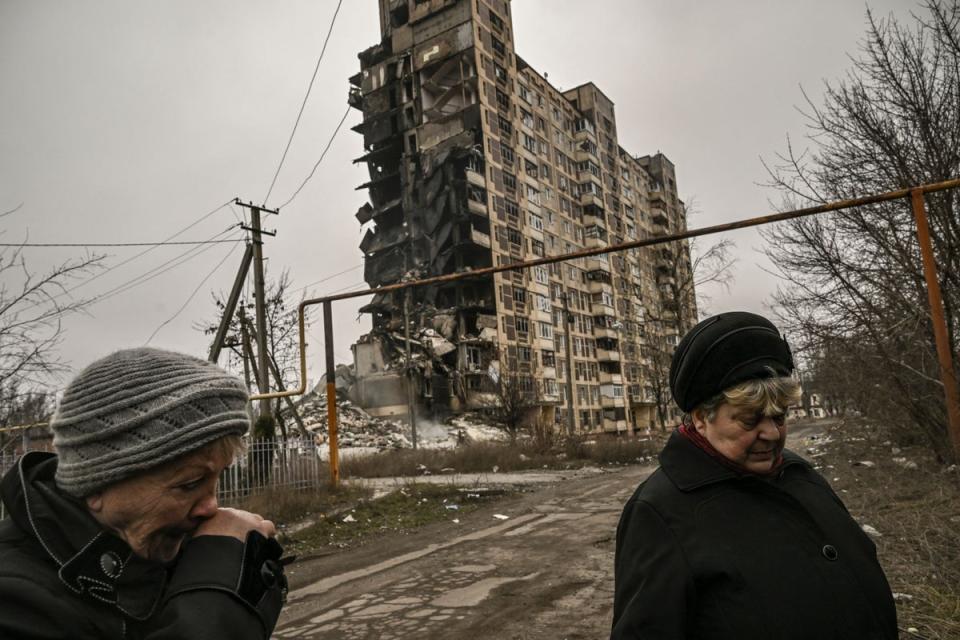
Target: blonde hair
point(770, 396)
point(229, 447)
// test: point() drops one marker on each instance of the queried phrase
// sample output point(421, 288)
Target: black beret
point(723, 351)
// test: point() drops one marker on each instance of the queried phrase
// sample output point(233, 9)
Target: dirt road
point(544, 572)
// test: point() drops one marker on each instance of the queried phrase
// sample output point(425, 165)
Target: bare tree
point(855, 278)
point(283, 350)
point(516, 396)
point(681, 281)
point(32, 307)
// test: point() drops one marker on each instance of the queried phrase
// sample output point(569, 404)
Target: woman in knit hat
point(118, 534)
point(734, 536)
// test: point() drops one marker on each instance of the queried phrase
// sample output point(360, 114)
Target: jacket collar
point(91, 561)
point(689, 468)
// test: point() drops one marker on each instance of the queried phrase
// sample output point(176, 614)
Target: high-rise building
point(475, 159)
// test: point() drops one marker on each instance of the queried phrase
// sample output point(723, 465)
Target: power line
point(191, 296)
point(302, 106)
point(330, 277)
point(114, 244)
point(159, 270)
point(134, 257)
point(322, 155)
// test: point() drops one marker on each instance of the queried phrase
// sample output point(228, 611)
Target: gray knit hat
point(138, 408)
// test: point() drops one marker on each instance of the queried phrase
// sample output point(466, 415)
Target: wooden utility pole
point(263, 357)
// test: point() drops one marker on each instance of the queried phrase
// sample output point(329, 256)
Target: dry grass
point(411, 507)
point(286, 506)
point(917, 512)
point(528, 453)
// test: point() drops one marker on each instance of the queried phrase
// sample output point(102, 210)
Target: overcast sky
point(125, 121)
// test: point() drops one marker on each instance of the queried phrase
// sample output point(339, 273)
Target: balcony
point(614, 426)
point(480, 238)
point(477, 179)
point(608, 355)
point(612, 403)
point(659, 218)
point(610, 378)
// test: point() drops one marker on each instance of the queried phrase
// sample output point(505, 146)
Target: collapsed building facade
point(475, 159)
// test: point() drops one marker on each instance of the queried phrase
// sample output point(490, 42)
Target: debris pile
point(360, 430)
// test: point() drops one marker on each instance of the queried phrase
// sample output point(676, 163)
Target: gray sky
point(125, 121)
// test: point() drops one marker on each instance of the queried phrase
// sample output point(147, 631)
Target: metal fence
point(292, 465)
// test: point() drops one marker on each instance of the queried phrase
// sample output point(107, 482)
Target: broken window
point(548, 358)
point(536, 246)
point(531, 168)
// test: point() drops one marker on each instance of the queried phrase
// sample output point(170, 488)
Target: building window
point(522, 324)
point(523, 354)
point(541, 275)
point(535, 221)
point(548, 358)
point(545, 330)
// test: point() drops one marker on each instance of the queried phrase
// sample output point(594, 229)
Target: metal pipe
point(331, 394)
point(646, 242)
point(944, 349)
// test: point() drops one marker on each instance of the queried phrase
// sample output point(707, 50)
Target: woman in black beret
point(734, 536)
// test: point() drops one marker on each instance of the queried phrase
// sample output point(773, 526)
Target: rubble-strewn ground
point(912, 504)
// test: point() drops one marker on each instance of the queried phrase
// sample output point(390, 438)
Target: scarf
point(690, 432)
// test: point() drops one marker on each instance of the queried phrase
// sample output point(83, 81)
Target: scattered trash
point(913, 631)
point(452, 507)
point(902, 597)
point(455, 521)
point(523, 457)
point(894, 450)
point(349, 518)
point(865, 463)
point(448, 470)
point(500, 516)
point(496, 468)
point(870, 531)
point(905, 463)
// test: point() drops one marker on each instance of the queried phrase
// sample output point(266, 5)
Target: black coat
point(706, 553)
point(62, 576)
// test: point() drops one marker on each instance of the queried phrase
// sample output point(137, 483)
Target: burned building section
point(475, 159)
point(427, 214)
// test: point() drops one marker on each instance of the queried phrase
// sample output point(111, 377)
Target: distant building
point(475, 160)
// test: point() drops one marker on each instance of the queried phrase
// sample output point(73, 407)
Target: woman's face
point(744, 436)
point(156, 511)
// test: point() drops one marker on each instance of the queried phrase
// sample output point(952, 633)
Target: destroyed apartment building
point(475, 159)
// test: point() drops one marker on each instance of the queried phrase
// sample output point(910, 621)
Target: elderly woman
point(735, 537)
point(119, 534)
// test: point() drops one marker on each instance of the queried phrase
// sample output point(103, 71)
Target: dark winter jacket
point(706, 553)
point(62, 576)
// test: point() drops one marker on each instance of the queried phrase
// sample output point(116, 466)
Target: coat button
point(830, 552)
point(111, 564)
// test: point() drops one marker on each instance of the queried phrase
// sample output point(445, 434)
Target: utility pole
point(263, 358)
point(568, 320)
point(411, 393)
